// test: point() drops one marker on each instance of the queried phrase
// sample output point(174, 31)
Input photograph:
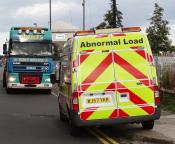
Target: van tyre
point(148, 125)
point(74, 130)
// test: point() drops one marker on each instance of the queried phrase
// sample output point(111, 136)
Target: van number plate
point(98, 101)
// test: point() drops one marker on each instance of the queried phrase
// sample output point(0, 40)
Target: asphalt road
point(30, 117)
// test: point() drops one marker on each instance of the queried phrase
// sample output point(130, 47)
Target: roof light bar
point(83, 33)
point(108, 31)
point(102, 32)
point(131, 29)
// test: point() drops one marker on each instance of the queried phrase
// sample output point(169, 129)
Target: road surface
point(32, 118)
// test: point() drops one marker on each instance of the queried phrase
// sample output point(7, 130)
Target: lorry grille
point(23, 67)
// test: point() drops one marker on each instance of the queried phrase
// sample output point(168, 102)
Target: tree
point(113, 18)
point(159, 31)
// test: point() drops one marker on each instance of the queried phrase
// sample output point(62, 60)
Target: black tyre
point(48, 91)
point(74, 130)
point(9, 90)
point(148, 125)
point(4, 80)
point(4, 83)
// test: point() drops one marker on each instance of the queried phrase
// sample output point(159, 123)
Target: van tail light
point(156, 95)
point(75, 101)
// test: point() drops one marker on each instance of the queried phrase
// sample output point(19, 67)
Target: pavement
point(166, 126)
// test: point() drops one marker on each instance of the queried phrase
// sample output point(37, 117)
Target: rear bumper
point(78, 122)
point(24, 86)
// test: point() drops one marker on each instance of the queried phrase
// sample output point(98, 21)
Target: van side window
point(65, 68)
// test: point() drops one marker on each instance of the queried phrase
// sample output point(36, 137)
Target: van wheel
point(74, 130)
point(148, 125)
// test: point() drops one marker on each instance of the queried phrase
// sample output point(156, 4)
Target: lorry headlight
point(12, 79)
point(47, 80)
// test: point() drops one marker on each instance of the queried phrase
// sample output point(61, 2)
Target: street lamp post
point(50, 14)
point(114, 13)
point(84, 15)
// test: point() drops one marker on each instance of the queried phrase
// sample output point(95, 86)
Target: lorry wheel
point(74, 130)
point(148, 125)
point(4, 80)
point(48, 91)
point(4, 83)
point(8, 90)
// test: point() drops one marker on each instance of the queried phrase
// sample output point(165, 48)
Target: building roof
point(60, 26)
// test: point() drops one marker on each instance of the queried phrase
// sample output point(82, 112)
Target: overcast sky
point(24, 13)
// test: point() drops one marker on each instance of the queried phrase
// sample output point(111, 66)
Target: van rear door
point(135, 95)
point(96, 78)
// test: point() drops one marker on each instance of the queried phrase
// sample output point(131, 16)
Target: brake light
point(156, 95)
point(83, 33)
point(75, 101)
point(131, 29)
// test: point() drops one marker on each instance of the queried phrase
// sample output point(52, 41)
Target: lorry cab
point(108, 77)
point(29, 61)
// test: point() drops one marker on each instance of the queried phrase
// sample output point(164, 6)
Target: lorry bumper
point(80, 123)
point(27, 86)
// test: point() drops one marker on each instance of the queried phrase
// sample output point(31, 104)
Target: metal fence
point(166, 72)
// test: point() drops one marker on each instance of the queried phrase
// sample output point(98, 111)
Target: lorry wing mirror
point(4, 48)
point(53, 78)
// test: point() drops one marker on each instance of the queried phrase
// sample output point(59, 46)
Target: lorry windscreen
point(38, 49)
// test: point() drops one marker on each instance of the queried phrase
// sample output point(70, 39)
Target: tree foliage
point(159, 31)
point(108, 18)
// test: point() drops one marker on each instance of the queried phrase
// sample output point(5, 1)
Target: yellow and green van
point(108, 77)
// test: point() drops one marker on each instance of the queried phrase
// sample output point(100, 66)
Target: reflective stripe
point(137, 100)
